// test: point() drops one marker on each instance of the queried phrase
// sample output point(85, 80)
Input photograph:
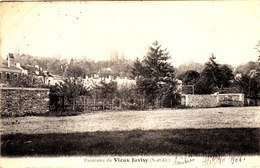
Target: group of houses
point(10, 70)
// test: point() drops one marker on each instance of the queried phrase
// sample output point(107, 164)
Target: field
point(212, 131)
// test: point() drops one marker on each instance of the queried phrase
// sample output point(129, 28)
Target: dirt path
point(236, 117)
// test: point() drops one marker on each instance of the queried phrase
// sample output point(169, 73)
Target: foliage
point(70, 89)
point(250, 86)
point(154, 73)
point(74, 70)
point(213, 77)
point(137, 69)
point(106, 90)
point(226, 75)
point(26, 81)
point(189, 77)
point(128, 91)
point(78, 67)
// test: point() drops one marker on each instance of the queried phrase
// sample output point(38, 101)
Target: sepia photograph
point(130, 84)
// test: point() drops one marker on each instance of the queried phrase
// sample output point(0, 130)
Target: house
point(31, 70)
point(52, 79)
point(95, 80)
point(124, 82)
point(92, 81)
point(8, 70)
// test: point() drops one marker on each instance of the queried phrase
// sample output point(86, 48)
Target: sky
point(191, 30)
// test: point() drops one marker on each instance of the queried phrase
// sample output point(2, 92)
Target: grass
point(242, 117)
point(209, 142)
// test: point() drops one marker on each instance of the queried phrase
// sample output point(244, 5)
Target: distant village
point(10, 69)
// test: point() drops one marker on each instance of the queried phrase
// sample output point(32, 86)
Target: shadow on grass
point(209, 142)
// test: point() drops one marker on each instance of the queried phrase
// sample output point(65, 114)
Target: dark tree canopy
point(250, 86)
point(70, 88)
point(154, 73)
point(226, 76)
point(189, 77)
point(155, 63)
point(137, 69)
point(213, 77)
point(106, 90)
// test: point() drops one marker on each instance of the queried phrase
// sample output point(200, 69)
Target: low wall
point(24, 101)
point(213, 100)
point(231, 100)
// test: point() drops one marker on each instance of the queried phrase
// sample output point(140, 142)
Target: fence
point(84, 103)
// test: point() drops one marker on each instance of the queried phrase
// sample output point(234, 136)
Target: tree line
point(78, 67)
point(156, 79)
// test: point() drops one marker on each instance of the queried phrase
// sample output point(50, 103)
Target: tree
point(74, 70)
point(189, 77)
point(226, 75)
point(67, 93)
point(213, 77)
point(106, 90)
point(137, 69)
point(154, 73)
point(250, 86)
point(70, 89)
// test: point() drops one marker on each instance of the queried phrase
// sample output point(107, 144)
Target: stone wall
point(200, 100)
point(231, 100)
point(213, 100)
point(24, 101)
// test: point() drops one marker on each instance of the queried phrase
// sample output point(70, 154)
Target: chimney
point(10, 59)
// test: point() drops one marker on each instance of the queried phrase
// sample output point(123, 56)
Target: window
point(7, 76)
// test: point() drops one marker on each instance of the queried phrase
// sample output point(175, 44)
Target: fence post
point(112, 104)
point(120, 104)
point(84, 102)
point(128, 103)
point(103, 104)
point(73, 104)
point(142, 102)
point(94, 104)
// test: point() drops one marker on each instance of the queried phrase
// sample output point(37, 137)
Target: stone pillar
point(186, 100)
